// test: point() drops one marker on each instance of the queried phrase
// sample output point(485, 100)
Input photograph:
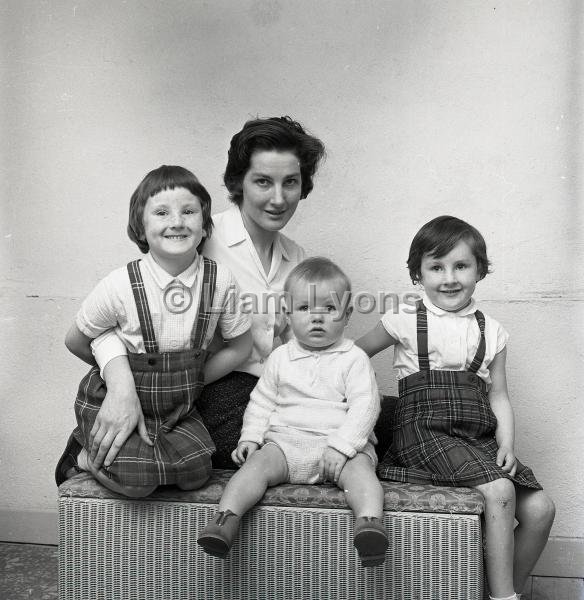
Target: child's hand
point(120, 414)
point(243, 451)
point(506, 460)
point(331, 464)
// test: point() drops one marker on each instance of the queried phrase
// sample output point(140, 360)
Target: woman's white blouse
point(231, 245)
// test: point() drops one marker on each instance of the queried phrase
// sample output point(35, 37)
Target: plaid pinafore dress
point(168, 385)
point(444, 428)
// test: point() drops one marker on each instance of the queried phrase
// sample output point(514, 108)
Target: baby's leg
point(132, 491)
point(535, 513)
point(364, 495)
point(499, 520)
point(265, 468)
point(362, 489)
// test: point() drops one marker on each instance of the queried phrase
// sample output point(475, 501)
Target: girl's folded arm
point(106, 347)
point(79, 344)
point(376, 340)
point(232, 354)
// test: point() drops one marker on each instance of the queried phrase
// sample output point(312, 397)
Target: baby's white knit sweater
point(329, 392)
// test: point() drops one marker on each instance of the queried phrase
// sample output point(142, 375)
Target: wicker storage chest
point(297, 544)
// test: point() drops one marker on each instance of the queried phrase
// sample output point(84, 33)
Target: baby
point(311, 416)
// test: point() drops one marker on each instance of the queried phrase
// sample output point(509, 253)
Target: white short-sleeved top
point(453, 339)
point(231, 245)
point(111, 305)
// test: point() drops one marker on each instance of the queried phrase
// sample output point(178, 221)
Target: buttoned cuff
point(251, 437)
point(340, 444)
point(107, 347)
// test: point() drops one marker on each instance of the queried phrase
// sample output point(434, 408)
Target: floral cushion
point(398, 496)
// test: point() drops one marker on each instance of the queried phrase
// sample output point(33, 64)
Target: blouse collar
point(163, 278)
point(235, 232)
point(296, 351)
point(469, 309)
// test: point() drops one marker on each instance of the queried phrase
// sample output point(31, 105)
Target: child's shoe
point(217, 537)
point(371, 541)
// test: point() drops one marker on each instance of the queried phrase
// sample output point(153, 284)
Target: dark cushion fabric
point(221, 406)
point(384, 425)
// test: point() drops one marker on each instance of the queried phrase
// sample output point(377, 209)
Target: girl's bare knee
point(500, 490)
point(137, 491)
point(542, 510)
point(195, 484)
point(549, 510)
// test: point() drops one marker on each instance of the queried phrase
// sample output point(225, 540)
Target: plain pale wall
point(426, 108)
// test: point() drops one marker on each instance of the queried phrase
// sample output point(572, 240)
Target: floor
point(29, 572)
point(554, 588)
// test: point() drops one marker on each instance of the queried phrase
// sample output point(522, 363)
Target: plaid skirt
point(168, 385)
point(444, 433)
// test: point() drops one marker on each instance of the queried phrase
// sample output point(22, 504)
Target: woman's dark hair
point(439, 236)
point(165, 178)
point(276, 133)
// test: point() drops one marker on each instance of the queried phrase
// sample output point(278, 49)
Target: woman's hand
point(243, 451)
point(331, 464)
point(507, 460)
point(119, 415)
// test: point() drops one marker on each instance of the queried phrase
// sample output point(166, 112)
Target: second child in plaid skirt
point(165, 308)
point(454, 424)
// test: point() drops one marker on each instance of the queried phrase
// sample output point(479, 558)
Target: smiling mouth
point(452, 292)
point(176, 237)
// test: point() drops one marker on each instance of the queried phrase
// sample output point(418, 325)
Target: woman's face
point(271, 190)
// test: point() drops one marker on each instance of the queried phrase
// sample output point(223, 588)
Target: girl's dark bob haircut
point(165, 178)
point(276, 133)
point(439, 236)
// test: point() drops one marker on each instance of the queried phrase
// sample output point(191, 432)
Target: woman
point(270, 166)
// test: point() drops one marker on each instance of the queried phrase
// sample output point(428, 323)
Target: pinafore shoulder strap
point(422, 336)
point(477, 361)
point(201, 325)
point(141, 300)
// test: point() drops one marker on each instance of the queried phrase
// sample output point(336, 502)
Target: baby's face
point(316, 313)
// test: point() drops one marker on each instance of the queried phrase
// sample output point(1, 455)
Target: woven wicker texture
point(125, 550)
point(398, 496)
